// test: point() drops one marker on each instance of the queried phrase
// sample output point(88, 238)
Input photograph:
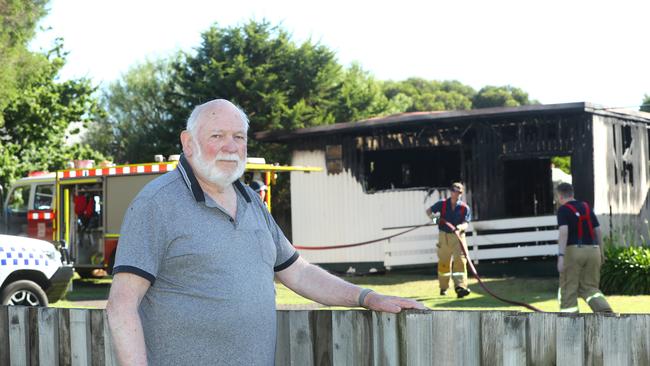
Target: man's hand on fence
point(390, 304)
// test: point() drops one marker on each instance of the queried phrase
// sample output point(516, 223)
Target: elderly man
point(193, 277)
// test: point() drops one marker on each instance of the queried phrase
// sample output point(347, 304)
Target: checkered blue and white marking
point(20, 253)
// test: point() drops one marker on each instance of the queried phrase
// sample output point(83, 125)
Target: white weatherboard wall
point(629, 203)
point(332, 209)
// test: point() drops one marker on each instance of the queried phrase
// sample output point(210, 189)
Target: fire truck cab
point(83, 208)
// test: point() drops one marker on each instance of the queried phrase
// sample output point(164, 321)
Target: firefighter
point(580, 254)
point(458, 214)
point(259, 188)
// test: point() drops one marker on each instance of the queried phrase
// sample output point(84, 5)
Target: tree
point(501, 96)
point(35, 120)
point(279, 84)
point(645, 105)
point(135, 110)
point(429, 95)
point(17, 26)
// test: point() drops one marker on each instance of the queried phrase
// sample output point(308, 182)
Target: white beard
point(210, 172)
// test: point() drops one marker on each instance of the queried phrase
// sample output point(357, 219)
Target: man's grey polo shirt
point(212, 296)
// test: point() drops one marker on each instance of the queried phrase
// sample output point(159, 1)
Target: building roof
point(413, 119)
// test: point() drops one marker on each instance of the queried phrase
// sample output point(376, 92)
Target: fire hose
point(478, 278)
point(463, 249)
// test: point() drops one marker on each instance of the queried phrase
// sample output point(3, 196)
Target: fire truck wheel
point(23, 292)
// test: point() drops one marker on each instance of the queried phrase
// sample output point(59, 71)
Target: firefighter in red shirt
point(458, 214)
point(580, 254)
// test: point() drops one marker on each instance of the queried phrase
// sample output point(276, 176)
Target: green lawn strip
point(539, 292)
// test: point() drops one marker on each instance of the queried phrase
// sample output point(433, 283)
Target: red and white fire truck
point(83, 208)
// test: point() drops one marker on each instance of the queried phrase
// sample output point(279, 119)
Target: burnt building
point(380, 174)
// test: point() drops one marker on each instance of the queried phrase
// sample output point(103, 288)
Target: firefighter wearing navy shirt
point(580, 254)
point(458, 214)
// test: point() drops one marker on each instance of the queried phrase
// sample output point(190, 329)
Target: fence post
point(415, 329)
point(48, 340)
point(352, 337)
point(541, 334)
point(570, 338)
point(514, 340)
point(385, 341)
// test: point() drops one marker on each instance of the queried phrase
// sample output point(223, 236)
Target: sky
point(557, 51)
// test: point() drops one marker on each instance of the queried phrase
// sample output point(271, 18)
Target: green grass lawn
point(539, 292)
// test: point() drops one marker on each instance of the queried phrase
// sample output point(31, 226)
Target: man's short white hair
point(196, 112)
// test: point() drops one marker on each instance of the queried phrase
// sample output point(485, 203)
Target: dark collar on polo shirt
point(192, 183)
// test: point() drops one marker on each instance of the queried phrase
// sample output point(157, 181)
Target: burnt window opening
point(411, 168)
point(529, 187)
point(334, 159)
point(627, 137)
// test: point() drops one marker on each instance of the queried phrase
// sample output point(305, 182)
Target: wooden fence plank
point(48, 342)
point(97, 345)
point(640, 334)
point(617, 343)
point(4, 336)
point(385, 343)
point(456, 337)
point(109, 353)
point(300, 339)
point(321, 324)
point(570, 340)
point(33, 336)
point(18, 335)
point(492, 328)
point(415, 325)
point(352, 337)
point(593, 341)
point(65, 354)
point(514, 340)
point(282, 348)
point(80, 337)
point(541, 336)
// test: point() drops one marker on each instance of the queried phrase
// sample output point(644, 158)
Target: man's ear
point(186, 142)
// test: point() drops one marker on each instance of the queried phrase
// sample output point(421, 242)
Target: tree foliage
point(135, 111)
point(36, 108)
point(645, 105)
point(501, 96)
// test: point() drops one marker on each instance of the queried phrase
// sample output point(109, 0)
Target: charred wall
point(486, 149)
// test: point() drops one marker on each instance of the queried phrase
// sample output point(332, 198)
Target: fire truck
point(82, 208)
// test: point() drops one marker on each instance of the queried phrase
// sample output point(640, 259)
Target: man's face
point(219, 147)
point(456, 194)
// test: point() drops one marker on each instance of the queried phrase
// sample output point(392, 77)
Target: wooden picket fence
point(50, 336)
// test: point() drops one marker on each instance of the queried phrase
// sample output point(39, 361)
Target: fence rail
point(491, 239)
point(51, 336)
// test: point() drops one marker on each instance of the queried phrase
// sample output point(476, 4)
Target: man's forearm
point(562, 241)
point(127, 335)
point(319, 285)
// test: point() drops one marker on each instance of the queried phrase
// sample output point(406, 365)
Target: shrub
point(626, 271)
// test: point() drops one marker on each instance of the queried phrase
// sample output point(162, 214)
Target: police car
point(32, 272)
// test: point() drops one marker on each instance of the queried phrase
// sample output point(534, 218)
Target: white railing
point(491, 239)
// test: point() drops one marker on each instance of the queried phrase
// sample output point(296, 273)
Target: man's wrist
point(560, 254)
point(362, 296)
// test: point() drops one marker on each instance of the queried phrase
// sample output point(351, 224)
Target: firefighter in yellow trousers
point(458, 214)
point(580, 254)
